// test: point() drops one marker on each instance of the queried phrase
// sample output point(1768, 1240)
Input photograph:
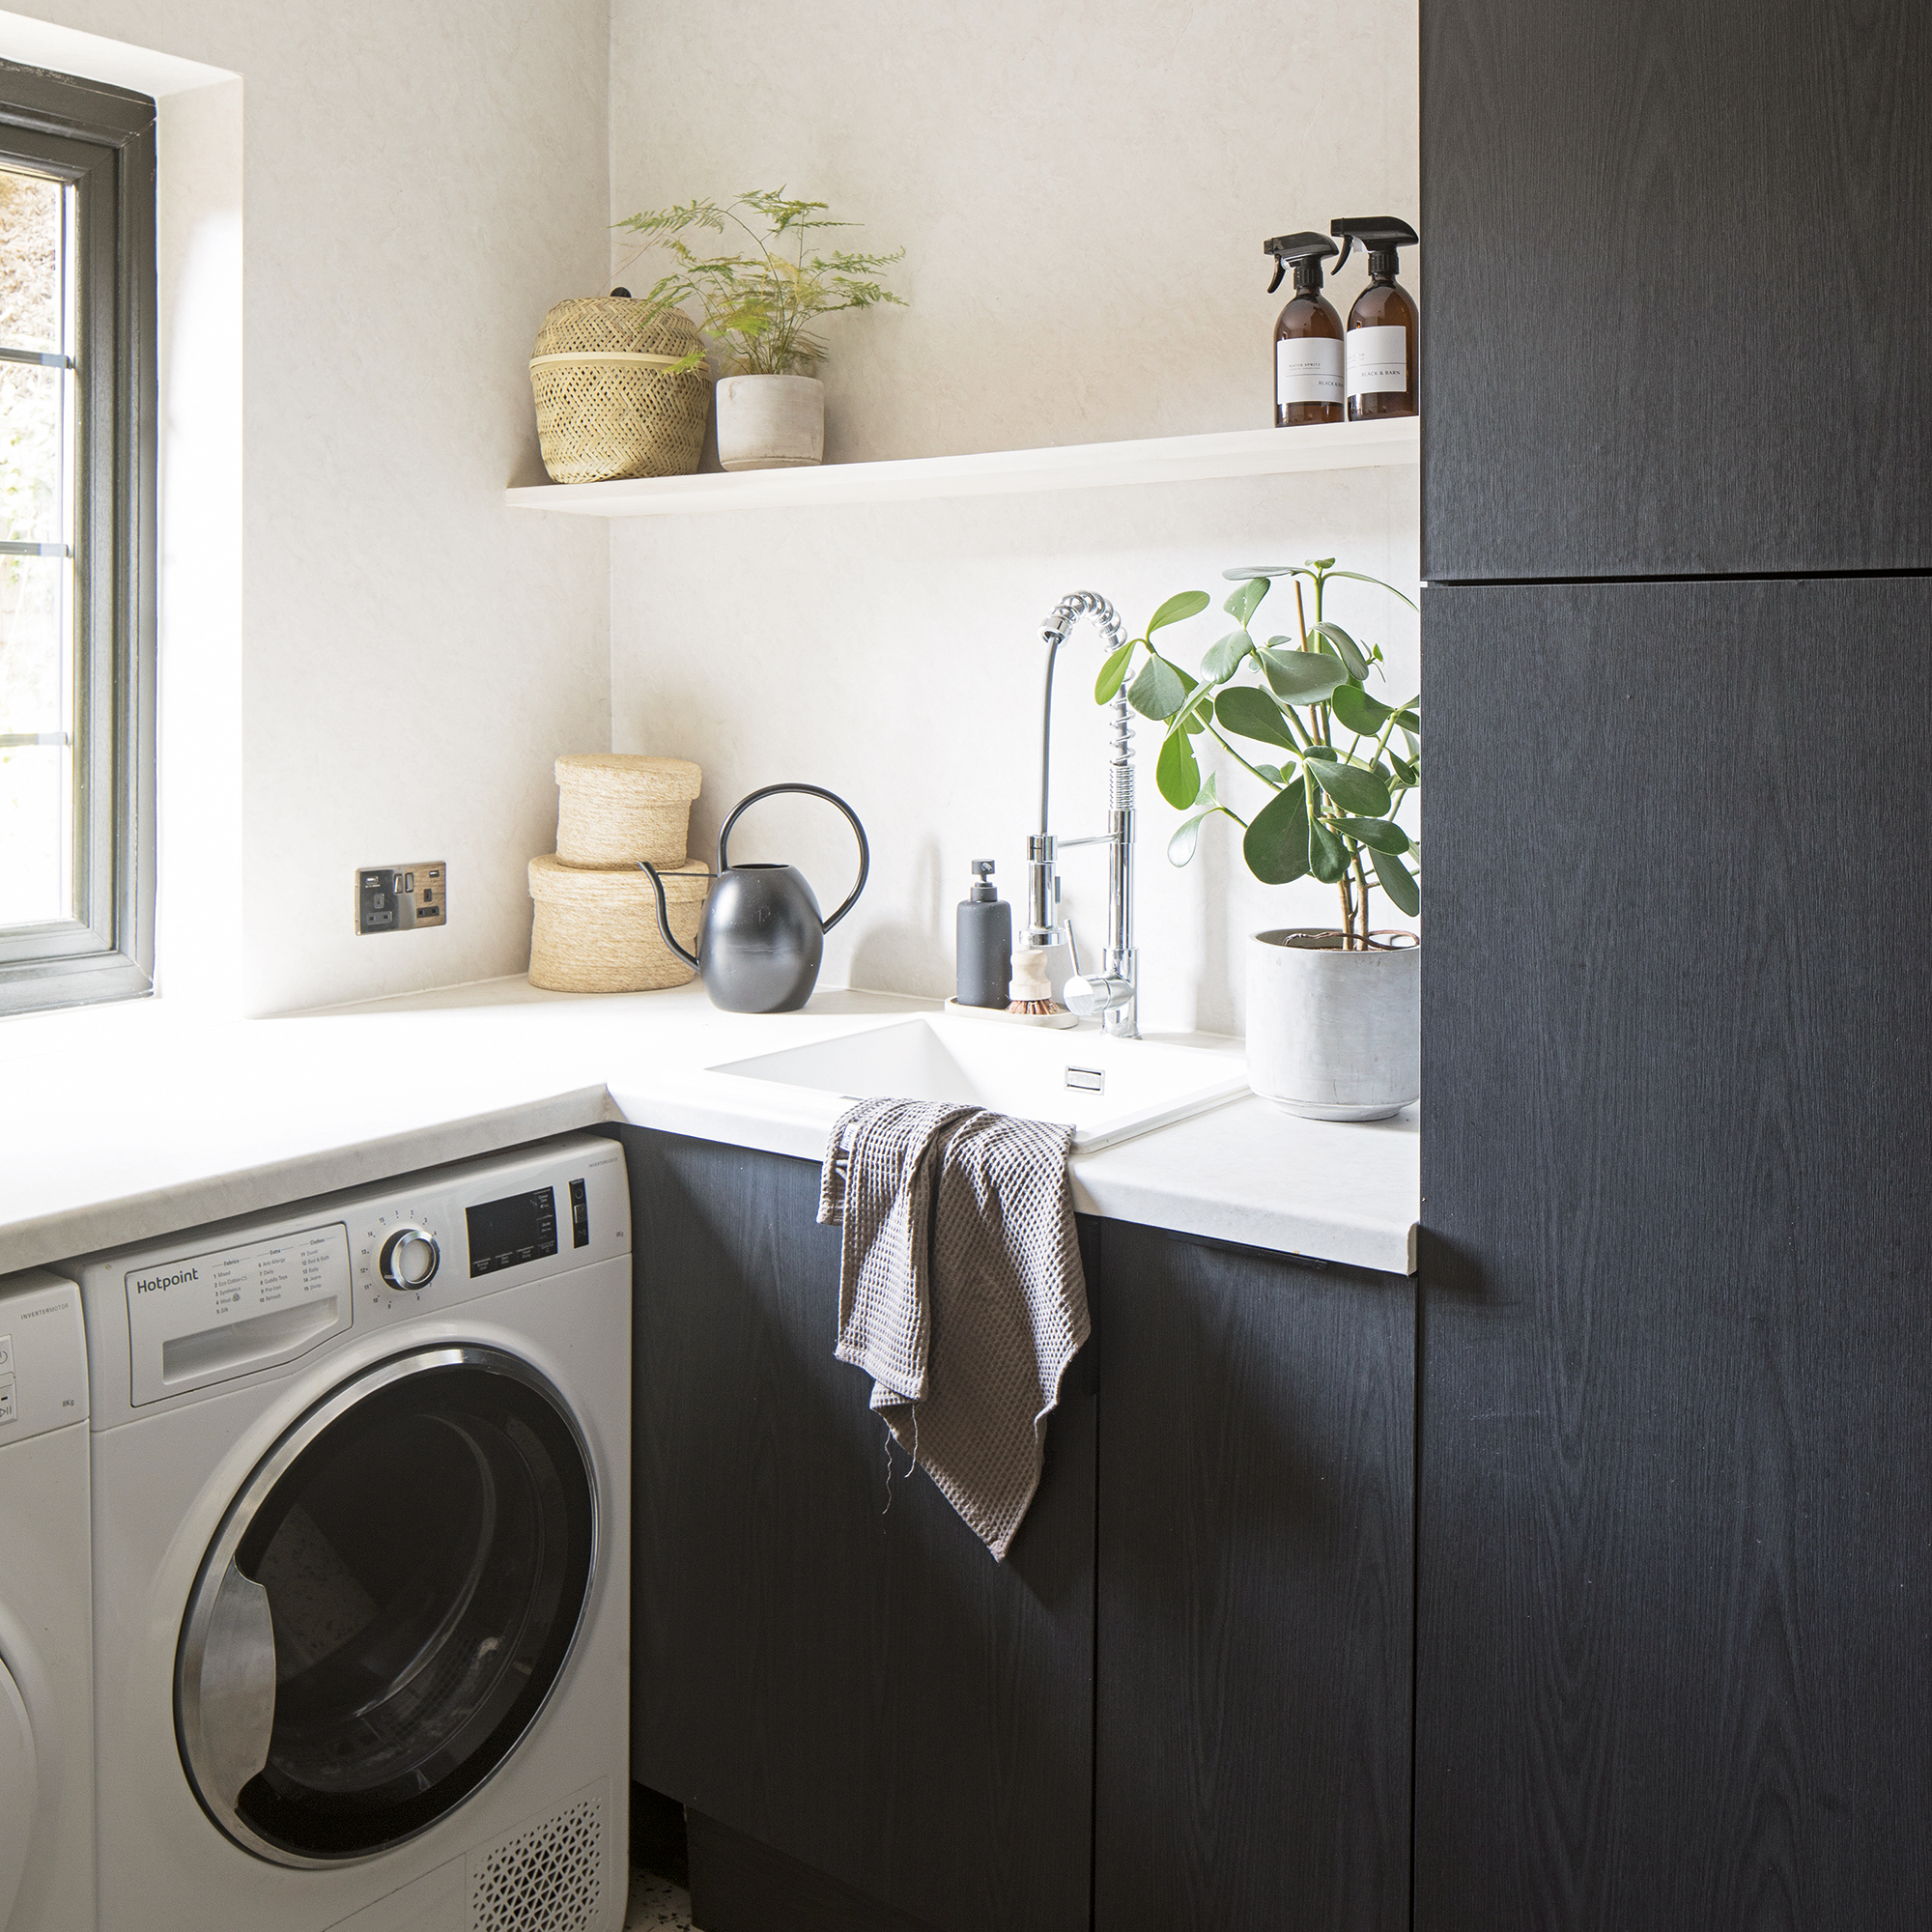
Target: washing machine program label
point(203, 1317)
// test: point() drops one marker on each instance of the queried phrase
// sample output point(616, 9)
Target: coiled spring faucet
point(1112, 991)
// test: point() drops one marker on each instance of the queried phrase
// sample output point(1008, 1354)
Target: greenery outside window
point(77, 426)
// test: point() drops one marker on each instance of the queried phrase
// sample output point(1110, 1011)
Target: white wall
point(417, 184)
point(1082, 192)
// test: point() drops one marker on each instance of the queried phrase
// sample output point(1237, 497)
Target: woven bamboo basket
point(597, 932)
point(605, 406)
point(615, 808)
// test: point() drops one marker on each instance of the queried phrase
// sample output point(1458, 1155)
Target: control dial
point(410, 1258)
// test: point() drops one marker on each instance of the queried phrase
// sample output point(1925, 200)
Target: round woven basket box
point(597, 931)
point(615, 808)
point(607, 406)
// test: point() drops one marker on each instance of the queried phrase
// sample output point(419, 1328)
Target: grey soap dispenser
point(984, 943)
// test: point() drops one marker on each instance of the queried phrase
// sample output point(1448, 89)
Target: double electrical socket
point(395, 898)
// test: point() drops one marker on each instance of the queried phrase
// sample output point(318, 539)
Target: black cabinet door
point(825, 1661)
point(1677, 287)
point(1256, 1446)
point(1674, 1648)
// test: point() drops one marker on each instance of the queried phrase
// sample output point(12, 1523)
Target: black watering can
point(761, 937)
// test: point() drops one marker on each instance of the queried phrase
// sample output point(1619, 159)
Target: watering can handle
point(831, 798)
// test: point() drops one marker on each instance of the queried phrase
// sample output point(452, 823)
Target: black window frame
point(102, 139)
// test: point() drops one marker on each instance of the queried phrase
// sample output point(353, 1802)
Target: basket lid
point(551, 878)
point(627, 775)
point(617, 322)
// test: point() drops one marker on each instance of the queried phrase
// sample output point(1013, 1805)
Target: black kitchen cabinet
point(1257, 1447)
point(876, 1726)
point(1674, 1647)
point(1674, 288)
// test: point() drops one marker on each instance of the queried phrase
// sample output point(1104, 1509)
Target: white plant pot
point(1333, 1035)
point(771, 422)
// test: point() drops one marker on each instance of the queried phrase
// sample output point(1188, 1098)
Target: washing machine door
point(388, 1605)
point(20, 1789)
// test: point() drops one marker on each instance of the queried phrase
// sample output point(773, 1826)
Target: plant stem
point(1214, 733)
point(1362, 880)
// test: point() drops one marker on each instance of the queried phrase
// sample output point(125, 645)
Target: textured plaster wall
point(417, 183)
point(1082, 192)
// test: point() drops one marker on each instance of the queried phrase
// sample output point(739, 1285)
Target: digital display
point(506, 1234)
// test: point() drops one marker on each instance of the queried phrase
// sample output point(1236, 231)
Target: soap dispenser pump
point(984, 933)
point(1307, 336)
point(1379, 360)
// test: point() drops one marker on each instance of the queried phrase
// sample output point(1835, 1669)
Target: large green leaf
point(1114, 671)
point(1396, 880)
point(1176, 773)
point(1345, 648)
point(1276, 844)
point(1379, 835)
point(1327, 856)
point(1358, 711)
point(1302, 677)
point(1160, 691)
point(1357, 576)
point(1224, 658)
point(1352, 787)
point(1248, 710)
point(1186, 835)
point(1242, 605)
point(1188, 604)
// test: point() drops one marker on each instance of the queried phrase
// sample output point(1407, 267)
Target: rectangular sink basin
point(1106, 1090)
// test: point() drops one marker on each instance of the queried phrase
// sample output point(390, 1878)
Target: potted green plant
point(758, 315)
point(1333, 1013)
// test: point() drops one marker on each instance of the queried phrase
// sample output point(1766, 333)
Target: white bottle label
point(1308, 369)
point(1378, 362)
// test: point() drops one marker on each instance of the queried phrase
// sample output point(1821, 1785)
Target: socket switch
point(395, 898)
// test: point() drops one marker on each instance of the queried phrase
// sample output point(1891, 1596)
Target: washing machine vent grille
point(549, 1878)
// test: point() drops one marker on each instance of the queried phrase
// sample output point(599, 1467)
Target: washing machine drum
point(387, 1607)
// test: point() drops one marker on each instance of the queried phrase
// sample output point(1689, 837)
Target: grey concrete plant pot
point(1333, 1035)
point(771, 422)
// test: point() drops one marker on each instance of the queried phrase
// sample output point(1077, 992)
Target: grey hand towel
point(960, 1290)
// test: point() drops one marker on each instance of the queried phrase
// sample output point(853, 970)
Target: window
point(77, 423)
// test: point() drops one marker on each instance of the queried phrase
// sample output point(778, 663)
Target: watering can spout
point(664, 917)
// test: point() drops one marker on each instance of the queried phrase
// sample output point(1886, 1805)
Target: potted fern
point(1333, 1013)
point(758, 314)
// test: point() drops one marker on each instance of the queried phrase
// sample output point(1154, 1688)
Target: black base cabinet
point(825, 1661)
point(1256, 1457)
point(875, 1728)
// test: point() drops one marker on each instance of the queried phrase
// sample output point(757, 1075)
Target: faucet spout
point(1111, 993)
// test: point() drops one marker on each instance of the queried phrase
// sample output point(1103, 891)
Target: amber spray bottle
point(1381, 349)
point(1307, 336)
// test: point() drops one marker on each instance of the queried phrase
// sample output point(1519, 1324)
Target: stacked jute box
point(596, 927)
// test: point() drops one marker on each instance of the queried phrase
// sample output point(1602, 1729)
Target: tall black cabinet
point(1674, 1549)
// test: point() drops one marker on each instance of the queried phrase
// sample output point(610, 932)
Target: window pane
point(30, 261)
point(34, 877)
point(31, 508)
point(36, 703)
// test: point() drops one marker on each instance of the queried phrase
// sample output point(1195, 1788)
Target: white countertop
point(122, 1123)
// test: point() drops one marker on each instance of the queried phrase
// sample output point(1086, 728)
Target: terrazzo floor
point(656, 1902)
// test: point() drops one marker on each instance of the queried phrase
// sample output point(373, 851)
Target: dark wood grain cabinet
point(1183, 1700)
point(1673, 285)
point(1257, 1450)
point(1674, 1652)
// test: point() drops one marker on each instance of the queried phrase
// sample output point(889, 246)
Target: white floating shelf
point(1003, 473)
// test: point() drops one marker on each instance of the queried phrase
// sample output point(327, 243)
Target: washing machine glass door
point(20, 1790)
point(388, 1605)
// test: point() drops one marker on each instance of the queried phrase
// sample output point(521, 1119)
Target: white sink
point(1107, 1090)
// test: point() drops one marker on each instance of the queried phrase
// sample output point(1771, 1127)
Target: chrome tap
point(1110, 992)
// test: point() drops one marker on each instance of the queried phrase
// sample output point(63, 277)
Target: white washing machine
point(46, 1660)
point(362, 1560)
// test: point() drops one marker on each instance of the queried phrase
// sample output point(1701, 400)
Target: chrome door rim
point(191, 1647)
